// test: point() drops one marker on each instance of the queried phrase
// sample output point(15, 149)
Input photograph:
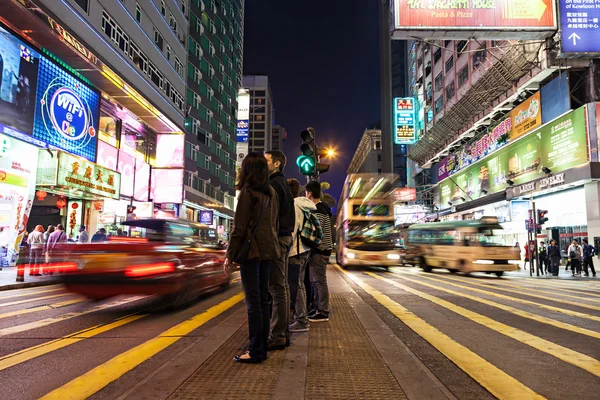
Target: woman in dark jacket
point(257, 204)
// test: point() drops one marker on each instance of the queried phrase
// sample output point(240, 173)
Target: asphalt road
point(471, 337)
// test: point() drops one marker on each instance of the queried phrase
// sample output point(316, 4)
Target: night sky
point(322, 59)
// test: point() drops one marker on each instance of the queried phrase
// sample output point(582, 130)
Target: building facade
point(214, 76)
point(399, 89)
point(368, 155)
point(92, 103)
point(278, 136)
point(506, 127)
point(261, 113)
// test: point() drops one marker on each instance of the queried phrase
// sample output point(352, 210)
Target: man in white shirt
point(575, 253)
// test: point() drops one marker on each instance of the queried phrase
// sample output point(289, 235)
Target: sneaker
point(298, 327)
point(312, 313)
point(318, 317)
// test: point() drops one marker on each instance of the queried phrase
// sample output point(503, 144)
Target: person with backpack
point(576, 255)
point(307, 235)
point(319, 257)
point(589, 252)
point(278, 274)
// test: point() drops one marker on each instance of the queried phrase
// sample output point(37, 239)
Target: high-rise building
point(278, 136)
point(261, 112)
point(214, 76)
point(368, 155)
point(399, 84)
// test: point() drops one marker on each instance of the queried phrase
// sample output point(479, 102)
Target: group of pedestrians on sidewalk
point(270, 227)
point(581, 258)
point(549, 258)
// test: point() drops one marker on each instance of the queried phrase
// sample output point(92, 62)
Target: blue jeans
point(255, 278)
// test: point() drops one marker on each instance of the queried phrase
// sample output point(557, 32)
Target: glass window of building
point(158, 39)
point(260, 93)
point(438, 82)
point(168, 52)
point(84, 4)
point(461, 46)
point(450, 91)
point(463, 76)
point(163, 8)
point(449, 64)
point(437, 55)
point(138, 13)
point(108, 130)
point(439, 104)
point(479, 57)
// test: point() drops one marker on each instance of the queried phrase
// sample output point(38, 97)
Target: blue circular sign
point(69, 115)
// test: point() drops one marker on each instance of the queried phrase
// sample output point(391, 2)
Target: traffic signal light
point(306, 165)
point(308, 160)
point(131, 209)
point(542, 217)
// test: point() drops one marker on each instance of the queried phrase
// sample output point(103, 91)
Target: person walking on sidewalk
point(278, 276)
point(36, 250)
point(84, 237)
point(319, 257)
point(543, 258)
point(254, 244)
point(299, 255)
point(576, 255)
point(554, 256)
point(589, 252)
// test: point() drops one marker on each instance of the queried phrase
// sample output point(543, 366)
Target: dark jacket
point(323, 213)
point(554, 252)
point(287, 216)
point(588, 251)
point(98, 237)
point(265, 245)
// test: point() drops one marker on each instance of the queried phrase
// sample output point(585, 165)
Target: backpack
point(311, 233)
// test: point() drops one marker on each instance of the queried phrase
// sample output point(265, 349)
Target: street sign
point(580, 26)
point(404, 120)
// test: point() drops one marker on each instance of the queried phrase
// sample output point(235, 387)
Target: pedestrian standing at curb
point(554, 256)
point(300, 253)
point(589, 252)
point(543, 258)
point(254, 245)
point(576, 255)
point(319, 257)
point(36, 252)
point(278, 276)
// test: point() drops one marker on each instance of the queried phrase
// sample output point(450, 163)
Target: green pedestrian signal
point(306, 165)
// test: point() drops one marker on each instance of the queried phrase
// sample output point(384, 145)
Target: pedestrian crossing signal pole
point(535, 233)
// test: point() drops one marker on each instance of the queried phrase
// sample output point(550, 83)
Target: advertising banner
point(405, 194)
point(558, 146)
point(243, 116)
point(142, 180)
point(404, 120)
point(169, 150)
point(107, 155)
point(475, 14)
point(167, 186)
point(523, 119)
point(126, 167)
point(66, 172)
point(580, 26)
point(18, 167)
point(42, 103)
point(206, 217)
point(556, 99)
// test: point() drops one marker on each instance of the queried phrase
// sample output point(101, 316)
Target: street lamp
point(331, 153)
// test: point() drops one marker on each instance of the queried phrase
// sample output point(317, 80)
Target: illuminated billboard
point(243, 116)
point(167, 186)
point(169, 151)
point(42, 103)
point(465, 18)
point(404, 120)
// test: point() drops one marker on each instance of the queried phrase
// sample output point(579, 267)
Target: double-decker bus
point(365, 234)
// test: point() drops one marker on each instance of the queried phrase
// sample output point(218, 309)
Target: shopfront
point(18, 166)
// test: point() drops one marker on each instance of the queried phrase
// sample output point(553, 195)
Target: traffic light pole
point(535, 238)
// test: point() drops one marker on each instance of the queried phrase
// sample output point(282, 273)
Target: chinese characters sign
point(206, 217)
point(559, 145)
point(70, 173)
point(404, 120)
point(580, 26)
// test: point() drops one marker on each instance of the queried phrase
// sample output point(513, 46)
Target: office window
point(439, 104)
point(138, 13)
point(377, 144)
point(259, 117)
point(419, 62)
point(163, 9)
point(438, 82)
point(462, 46)
point(158, 40)
point(437, 55)
point(114, 32)
point(450, 91)
point(258, 134)
point(84, 4)
point(479, 57)
point(447, 43)
point(260, 125)
point(379, 157)
point(260, 93)
point(172, 22)
point(168, 52)
point(184, 7)
point(449, 64)
point(463, 76)
point(178, 66)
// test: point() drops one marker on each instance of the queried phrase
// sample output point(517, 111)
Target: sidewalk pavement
point(562, 274)
point(8, 279)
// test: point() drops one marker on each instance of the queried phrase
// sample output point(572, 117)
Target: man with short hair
point(320, 256)
point(278, 279)
point(588, 258)
point(83, 235)
point(576, 255)
point(554, 256)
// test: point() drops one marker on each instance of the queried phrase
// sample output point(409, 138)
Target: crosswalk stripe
point(567, 284)
point(42, 308)
point(91, 382)
point(512, 310)
point(13, 359)
point(572, 303)
point(49, 321)
point(14, 303)
point(516, 299)
point(493, 379)
point(565, 354)
point(544, 290)
point(31, 292)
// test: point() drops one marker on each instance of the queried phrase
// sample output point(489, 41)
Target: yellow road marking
point(516, 311)
point(29, 292)
point(544, 290)
point(493, 379)
point(49, 321)
point(91, 382)
point(515, 299)
point(42, 308)
point(572, 303)
point(14, 303)
point(11, 360)
point(567, 355)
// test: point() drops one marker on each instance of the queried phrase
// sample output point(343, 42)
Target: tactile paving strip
point(222, 378)
point(343, 363)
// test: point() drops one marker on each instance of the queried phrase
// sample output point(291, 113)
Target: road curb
point(24, 285)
